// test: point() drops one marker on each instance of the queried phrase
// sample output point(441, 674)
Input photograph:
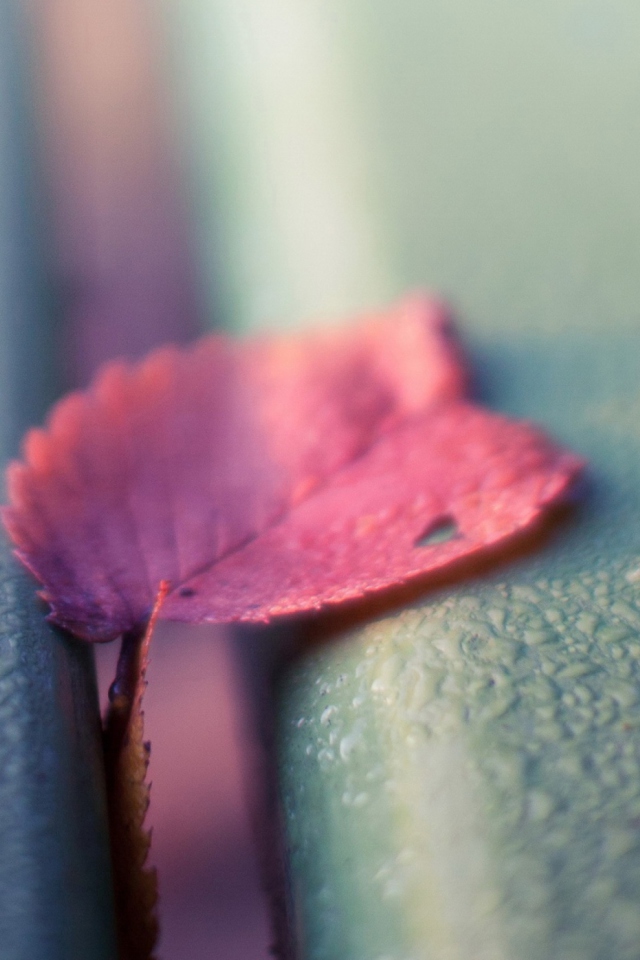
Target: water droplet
point(587, 623)
point(528, 594)
point(626, 612)
point(327, 713)
point(496, 617)
point(350, 742)
point(633, 576)
point(540, 805)
point(623, 693)
point(620, 841)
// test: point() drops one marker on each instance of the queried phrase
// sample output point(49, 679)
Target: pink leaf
point(272, 476)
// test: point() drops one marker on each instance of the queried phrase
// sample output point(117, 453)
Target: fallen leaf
point(126, 758)
point(272, 476)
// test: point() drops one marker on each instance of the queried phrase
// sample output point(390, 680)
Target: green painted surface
point(461, 778)
point(55, 885)
point(487, 149)
point(504, 143)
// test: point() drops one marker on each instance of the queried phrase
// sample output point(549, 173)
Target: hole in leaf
point(187, 592)
point(440, 530)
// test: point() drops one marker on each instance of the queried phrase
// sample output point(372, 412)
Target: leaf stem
point(126, 761)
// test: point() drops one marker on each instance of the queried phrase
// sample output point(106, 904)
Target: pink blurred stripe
point(117, 208)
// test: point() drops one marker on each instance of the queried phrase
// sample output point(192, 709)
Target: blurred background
point(250, 163)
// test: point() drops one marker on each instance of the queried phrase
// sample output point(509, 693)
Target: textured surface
point(55, 897)
point(463, 779)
